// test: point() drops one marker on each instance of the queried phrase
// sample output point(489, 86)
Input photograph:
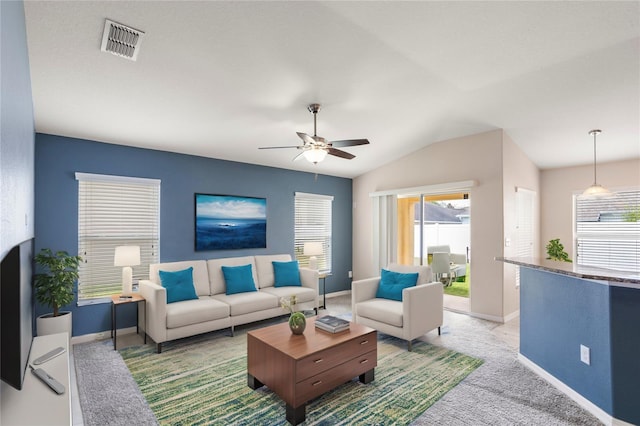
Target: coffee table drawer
point(323, 360)
point(335, 376)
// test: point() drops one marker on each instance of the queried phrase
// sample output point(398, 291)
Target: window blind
point(608, 231)
point(313, 224)
point(114, 211)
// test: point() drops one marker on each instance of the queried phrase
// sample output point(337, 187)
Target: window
point(608, 231)
point(114, 211)
point(313, 224)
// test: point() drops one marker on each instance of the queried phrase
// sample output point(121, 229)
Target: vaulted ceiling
point(220, 79)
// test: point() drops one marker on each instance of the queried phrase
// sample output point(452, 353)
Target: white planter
point(48, 324)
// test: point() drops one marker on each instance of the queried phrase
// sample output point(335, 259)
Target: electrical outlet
point(350, 274)
point(585, 354)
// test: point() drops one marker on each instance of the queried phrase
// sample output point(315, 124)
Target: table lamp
point(312, 249)
point(127, 256)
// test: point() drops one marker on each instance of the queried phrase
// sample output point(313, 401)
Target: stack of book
point(332, 324)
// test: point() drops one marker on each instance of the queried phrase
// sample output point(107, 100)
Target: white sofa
point(420, 311)
point(214, 309)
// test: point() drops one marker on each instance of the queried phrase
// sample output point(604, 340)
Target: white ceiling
point(220, 79)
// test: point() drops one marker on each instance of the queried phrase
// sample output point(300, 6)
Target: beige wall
point(518, 171)
point(559, 185)
point(476, 157)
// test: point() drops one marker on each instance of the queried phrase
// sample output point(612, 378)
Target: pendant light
point(595, 190)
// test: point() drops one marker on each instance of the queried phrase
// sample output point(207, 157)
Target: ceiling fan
point(315, 148)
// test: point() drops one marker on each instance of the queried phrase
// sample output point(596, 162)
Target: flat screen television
point(16, 313)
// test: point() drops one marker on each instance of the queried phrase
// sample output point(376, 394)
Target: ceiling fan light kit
point(316, 148)
point(595, 190)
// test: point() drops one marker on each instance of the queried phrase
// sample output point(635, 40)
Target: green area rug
point(203, 380)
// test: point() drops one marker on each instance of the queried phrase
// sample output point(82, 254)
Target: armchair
point(419, 312)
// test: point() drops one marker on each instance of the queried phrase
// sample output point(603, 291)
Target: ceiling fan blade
point(299, 156)
point(278, 147)
point(340, 153)
point(349, 142)
point(306, 138)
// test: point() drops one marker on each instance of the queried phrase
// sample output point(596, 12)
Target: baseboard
point(512, 315)
point(598, 412)
point(487, 317)
point(338, 293)
point(101, 335)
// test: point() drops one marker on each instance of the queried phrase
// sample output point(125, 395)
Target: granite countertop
point(571, 269)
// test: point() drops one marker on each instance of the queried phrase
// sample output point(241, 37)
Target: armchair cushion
point(238, 279)
point(179, 285)
point(286, 274)
point(392, 284)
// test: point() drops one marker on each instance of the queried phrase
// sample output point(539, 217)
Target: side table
point(323, 277)
point(117, 301)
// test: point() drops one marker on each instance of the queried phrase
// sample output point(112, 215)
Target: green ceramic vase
point(297, 322)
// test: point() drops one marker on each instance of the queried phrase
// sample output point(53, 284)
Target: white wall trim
point(487, 317)
point(338, 293)
point(439, 188)
point(102, 335)
point(598, 412)
point(512, 315)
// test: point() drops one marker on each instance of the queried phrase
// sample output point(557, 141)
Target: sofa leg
point(232, 332)
point(438, 331)
point(316, 309)
point(159, 348)
point(409, 346)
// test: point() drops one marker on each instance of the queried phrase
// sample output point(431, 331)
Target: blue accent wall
point(17, 132)
point(625, 362)
point(57, 159)
point(558, 313)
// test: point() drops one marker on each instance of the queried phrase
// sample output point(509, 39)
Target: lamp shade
point(315, 155)
point(312, 249)
point(127, 256)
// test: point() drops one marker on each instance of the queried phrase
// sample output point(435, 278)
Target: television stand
point(36, 403)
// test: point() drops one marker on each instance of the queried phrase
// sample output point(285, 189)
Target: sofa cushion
point(238, 279)
point(382, 310)
point(392, 284)
point(425, 275)
point(286, 274)
point(303, 294)
point(264, 268)
point(200, 275)
point(216, 277)
point(179, 285)
point(195, 312)
point(246, 303)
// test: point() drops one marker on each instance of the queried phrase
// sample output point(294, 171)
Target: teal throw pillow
point(179, 285)
point(392, 284)
point(286, 274)
point(239, 279)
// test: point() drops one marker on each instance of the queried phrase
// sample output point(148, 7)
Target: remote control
point(48, 380)
point(49, 355)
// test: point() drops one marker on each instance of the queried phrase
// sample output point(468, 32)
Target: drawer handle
point(364, 361)
point(317, 383)
point(318, 361)
point(364, 342)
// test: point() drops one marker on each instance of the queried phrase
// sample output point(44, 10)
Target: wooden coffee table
point(299, 368)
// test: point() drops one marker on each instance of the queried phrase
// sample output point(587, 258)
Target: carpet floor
point(501, 392)
point(203, 380)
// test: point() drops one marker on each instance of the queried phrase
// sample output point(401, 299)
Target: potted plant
point(297, 320)
point(555, 251)
point(54, 288)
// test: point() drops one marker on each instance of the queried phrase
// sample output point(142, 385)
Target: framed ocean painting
point(227, 222)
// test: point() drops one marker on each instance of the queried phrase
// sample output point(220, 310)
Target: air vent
point(121, 40)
